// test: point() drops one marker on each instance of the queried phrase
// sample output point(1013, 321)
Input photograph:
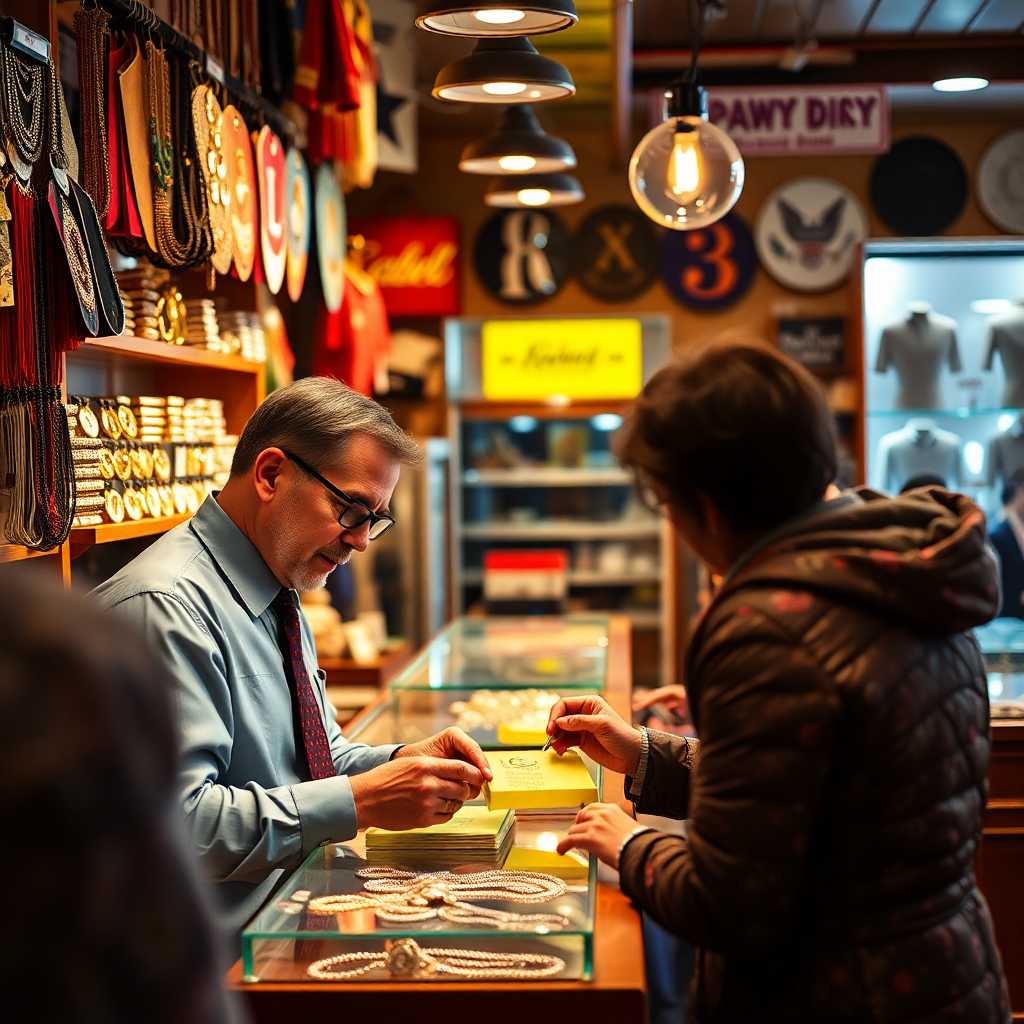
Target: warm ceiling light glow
point(685, 173)
point(534, 196)
point(514, 162)
point(503, 88)
point(960, 84)
point(499, 16)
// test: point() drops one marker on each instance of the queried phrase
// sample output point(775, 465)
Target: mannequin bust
point(1005, 454)
point(1006, 336)
point(919, 448)
point(918, 347)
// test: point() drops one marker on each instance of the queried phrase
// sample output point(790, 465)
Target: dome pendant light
point(499, 18)
point(686, 173)
point(532, 191)
point(518, 146)
point(500, 70)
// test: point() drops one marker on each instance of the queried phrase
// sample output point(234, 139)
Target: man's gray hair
point(315, 418)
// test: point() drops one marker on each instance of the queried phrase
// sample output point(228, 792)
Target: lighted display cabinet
point(534, 405)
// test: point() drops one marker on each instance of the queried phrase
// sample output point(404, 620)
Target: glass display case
point(533, 468)
point(496, 678)
point(1002, 647)
point(329, 921)
point(944, 364)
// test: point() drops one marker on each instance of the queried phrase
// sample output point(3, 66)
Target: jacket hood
point(922, 559)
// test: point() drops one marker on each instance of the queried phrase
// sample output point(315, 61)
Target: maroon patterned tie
point(314, 735)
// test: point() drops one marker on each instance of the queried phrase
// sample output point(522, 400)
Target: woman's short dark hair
point(739, 423)
point(106, 915)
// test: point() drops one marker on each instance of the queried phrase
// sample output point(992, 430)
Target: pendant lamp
point(517, 146)
point(503, 70)
point(686, 173)
point(498, 18)
point(531, 191)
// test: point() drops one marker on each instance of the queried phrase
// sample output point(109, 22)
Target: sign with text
point(818, 343)
point(770, 121)
point(415, 260)
point(532, 360)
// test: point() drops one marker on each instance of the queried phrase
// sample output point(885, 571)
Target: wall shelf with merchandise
point(944, 364)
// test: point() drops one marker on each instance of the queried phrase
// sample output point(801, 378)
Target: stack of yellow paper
point(474, 835)
point(535, 779)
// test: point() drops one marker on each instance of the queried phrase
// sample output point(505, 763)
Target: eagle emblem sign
point(807, 234)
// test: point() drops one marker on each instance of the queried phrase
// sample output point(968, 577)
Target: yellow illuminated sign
point(532, 360)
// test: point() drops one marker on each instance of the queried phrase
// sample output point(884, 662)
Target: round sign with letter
point(273, 205)
point(522, 257)
point(710, 268)
point(331, 236)
point(919, 187)
point(615, 253)
point(807, 234)
point(300, 220)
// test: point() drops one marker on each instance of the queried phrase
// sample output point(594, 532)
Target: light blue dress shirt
point(201, 596)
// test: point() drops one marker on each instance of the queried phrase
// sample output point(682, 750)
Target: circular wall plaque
point(300, 215)
point(919, 187)
point(522, 257)
point(807, 233)
point(1001, 182)
point(710, 268)
point(615, 253)
point(331, 236)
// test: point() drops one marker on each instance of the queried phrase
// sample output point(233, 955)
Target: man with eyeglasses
point(266, 775)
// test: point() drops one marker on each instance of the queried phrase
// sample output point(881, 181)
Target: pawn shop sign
point(415, 260)
point(782, 121)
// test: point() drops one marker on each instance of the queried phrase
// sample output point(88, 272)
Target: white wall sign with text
point(779, 121)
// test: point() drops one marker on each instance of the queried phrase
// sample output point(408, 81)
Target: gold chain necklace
point(208, 122)
point(405, 958)
point(92, 25)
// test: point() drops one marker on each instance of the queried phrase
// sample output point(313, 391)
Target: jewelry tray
point(286, 937)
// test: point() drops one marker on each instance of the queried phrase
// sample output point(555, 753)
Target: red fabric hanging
point(122, 217)
point(328, 70)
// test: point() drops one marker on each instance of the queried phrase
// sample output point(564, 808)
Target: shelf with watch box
point(540, 475)
point(944, 365)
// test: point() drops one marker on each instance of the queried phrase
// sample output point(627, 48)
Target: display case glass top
point(563, 653)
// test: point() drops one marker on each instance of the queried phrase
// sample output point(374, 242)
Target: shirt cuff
point(635, 785)
point(326, 810)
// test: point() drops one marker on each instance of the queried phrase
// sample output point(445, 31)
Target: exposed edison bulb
point(515, 162)
point(499, 16)
point(503, 88)
point(685, 168)
point(686, 173)
point(534, 196)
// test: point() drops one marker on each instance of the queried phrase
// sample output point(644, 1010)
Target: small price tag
point(215, 69)
point(29, 43)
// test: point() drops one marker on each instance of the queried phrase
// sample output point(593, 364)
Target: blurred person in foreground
point(835, 795)
point(1007, 537)
point(105, 917)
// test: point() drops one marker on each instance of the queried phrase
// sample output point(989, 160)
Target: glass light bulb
point(499, 16)
point(514, 162)
point(685, 165)
point(534, 196)
point(959, 84)
point(686, 173)
point(503, 88)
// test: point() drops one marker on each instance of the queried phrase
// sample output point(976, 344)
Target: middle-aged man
point(266, 775)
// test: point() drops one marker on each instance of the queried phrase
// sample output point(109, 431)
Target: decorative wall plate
point(807, 233)
point(299, 199)
point(273, 179)
point(331, 236)
point(241, 179)
point(615, 253)
point(1001, 182)
point(523, 257)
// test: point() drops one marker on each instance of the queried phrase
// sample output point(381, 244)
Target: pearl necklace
point(401, 897)
point(405, 958)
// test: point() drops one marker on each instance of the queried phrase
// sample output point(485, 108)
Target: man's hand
point(452, 743)
point(599, 829)
point(413, 791)
point(590, 724)
point(673, 697)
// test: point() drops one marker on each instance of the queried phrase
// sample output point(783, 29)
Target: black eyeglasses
point(355, 513)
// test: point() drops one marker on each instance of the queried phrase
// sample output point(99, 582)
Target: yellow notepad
point(534, 779)
point(472, 822)
point(562, 865)
point(528, 731)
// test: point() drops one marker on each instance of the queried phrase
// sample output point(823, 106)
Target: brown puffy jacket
point(836, 794)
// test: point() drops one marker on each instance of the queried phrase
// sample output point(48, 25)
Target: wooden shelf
point(555, 530)
point(85, 537)
point(475, 577)
point(160, 352)
point(546, 476)
point(16, 553)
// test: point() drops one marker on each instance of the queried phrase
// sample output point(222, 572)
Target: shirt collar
point(236, 555)
point(822, 508)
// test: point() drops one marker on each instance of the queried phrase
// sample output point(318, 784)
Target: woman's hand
point(599, 829)
point(590, 723)
point(673, 697)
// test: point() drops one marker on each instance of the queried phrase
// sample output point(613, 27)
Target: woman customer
point(104, 917)
point(835, 795)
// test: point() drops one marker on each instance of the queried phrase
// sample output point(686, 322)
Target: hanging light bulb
point(498, 18)
point(499, 69)
point(534, 190)
point(686, 173)
point(517, 146)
